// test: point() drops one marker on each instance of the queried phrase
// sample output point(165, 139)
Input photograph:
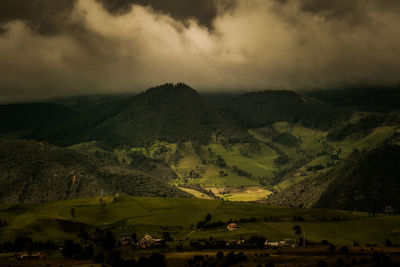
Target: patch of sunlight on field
point(310, 140)
point(377, 136)
point(323, 160)
point(195, 193)
point(257, 159)
point(252, 193)
point(213, 179)
point(248, 196)
point(209, 172)
point(257, 134)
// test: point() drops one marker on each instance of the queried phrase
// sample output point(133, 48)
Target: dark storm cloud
point(50, 16)
point(52, 48)
point(45, 16)
point(342, 8)
point(204, 11)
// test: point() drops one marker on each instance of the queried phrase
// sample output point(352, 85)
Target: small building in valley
point(281, 243)
point(232, 226)
point(150, 242)
point(39, 255)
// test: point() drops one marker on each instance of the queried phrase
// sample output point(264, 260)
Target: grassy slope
point(253, 193)
point(314, 141)
point(368, 176)
point(311, 141)
point(204, 163)
point(33, 172)
point(176, 113)
point(256, 159)
point(155, 215)
point(377, 136)
point(258, 164)
point(195, 193)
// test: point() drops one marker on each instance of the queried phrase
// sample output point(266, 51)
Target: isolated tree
point(220, 162)
point(134, 237)
point(73, 213)
point(102, 205)
point(297, 231)
point(332, 248)
point(167, 237)
point(84, 235)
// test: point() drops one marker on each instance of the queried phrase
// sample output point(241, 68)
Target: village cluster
point(149, 241)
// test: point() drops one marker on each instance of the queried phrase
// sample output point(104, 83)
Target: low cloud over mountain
point(53, 48)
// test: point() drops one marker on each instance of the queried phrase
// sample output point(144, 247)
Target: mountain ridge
point(241, 147)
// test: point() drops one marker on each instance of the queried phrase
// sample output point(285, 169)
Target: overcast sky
point(54, 48)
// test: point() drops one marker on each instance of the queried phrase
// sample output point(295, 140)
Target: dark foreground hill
point(367, 181)
point(33, 171)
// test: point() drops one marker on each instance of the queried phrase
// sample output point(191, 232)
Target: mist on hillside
point(84, 46)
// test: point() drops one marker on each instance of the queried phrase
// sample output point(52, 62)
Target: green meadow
point(255, 161)
point(141, 215)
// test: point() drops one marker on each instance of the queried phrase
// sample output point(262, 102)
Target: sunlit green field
point(125, 215)
point(257, 159)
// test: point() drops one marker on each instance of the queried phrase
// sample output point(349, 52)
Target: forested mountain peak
point(170, 89)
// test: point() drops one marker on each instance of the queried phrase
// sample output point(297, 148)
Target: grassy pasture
point(255, 159)
point(195, 193)
point(180, 216)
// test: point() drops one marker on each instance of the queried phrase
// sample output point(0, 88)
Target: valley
point(199, 133)
point(159, 178)
point(276, 147)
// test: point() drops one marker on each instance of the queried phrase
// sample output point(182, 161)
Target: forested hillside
point(367, 181)
point(168, 113)
point(282, 147)
point(33, 171)
point(263, 108)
